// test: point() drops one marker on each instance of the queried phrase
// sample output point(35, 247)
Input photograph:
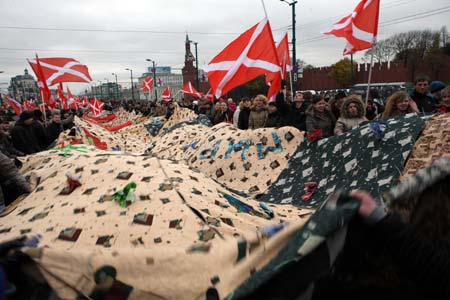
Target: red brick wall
point(317, 78)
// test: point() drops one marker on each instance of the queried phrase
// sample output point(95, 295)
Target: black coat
point(12, 184)
point(297, 117)
point(7, 147)
point(28, 138)
point(275, 119)
point(52, 132)
point(243, 118)
point(425, 103)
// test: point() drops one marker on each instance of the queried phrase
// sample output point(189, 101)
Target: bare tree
point(383, 51)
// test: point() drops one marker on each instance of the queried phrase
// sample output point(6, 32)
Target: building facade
point(23, 87)
point(164, 78)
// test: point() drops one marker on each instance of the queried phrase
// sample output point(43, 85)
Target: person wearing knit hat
point(435, 89)
point(436, 86)
point(28, 136)
point(27, 117)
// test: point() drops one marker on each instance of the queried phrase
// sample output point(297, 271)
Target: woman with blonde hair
point(399, 104)
point(258, 112)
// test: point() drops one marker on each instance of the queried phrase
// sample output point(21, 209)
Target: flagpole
point(292, 91)
point(370, 77)
point(264, 7)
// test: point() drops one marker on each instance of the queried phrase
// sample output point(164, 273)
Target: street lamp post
point(132, 85)
point(294, 58)
point(154, 77)
point(101, 88)
point(117, 87)
point(107, 88)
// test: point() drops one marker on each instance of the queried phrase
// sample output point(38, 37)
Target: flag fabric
point(71, 100)
point(46, 95)
point(360, 28)
point(96, 106)
point(190, 90)
point(60, 93)
point(14, 104)
point(147, 84)
point(160, 82)
point(61, 69)
point(252, 54)
point(85, 101)
point(209, 95)
point(283, 56)
point(167, 94)
point(29, 105)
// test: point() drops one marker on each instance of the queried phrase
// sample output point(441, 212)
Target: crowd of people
point(320, 115)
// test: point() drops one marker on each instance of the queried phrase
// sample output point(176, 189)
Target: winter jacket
point(257, 118)
point(7, 147)
point(28, 138)
point(243, 118)
point(236, 116)
point(444, 109)
point(425, 103)
point(324, 121)
point(297, 117)
point(52, 131)
point(425, 264)
point(275, 119)
point(11, 182)
point(347, 122)
point(222, 116)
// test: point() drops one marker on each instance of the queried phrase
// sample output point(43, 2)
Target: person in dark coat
point(28, 136)
point(275, 118)
point(244, 114)
point(6, 145)
point(67, 119)
point(297, 116)
point(55, 127)
point(12, 184)
point(319, 118)
point(424, 100)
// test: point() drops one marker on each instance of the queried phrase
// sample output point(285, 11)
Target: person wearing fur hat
point(28, 135)
point(320, 118)
point(258, 113)
point(352, 114)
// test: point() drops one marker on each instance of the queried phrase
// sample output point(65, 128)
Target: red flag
point(14, 104)
point(252, 54)
point(160, 82)
point(283, 56)
point(61, 69)
point(167, 94)
point(147, 84)
point(71, 100)
point(190, 90)
point(360, 28)
point(209, 95)
point(62, 98)
point(29, 105)
point(96, 106)
point(45, 92)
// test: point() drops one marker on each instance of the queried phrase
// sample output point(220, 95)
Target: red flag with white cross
point(252, 54)
point(360, 28)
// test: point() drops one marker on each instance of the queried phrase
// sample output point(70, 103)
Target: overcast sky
point(111, 35)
